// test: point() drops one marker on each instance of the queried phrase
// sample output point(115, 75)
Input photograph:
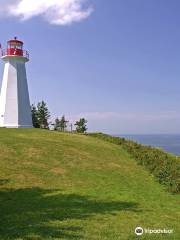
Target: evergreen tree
point(35, 120)
point(43, 115)
point(63, 123)
point(57, 124)
point(81, 126)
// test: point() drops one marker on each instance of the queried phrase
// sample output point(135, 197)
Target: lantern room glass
point(15, 45)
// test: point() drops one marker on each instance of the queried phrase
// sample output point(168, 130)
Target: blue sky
point(115, 62)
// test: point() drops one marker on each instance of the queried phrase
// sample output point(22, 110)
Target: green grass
point(67, 186)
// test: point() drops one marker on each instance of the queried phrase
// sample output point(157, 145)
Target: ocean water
point(169, 143)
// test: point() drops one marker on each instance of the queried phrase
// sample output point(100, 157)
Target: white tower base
point(15, 110)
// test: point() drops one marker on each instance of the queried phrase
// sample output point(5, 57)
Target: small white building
point(15, 110)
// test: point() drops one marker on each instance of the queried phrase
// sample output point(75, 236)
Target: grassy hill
point(67, 186)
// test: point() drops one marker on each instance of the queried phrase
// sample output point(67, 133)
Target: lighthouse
point(15, 110)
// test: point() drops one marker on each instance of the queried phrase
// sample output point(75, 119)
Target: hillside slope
point(67, 186)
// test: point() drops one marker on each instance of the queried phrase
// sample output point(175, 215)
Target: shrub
point(163, 166)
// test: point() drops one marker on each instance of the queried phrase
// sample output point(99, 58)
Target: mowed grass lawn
point(67, 186)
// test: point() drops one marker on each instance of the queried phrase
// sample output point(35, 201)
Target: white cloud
point(59, 12)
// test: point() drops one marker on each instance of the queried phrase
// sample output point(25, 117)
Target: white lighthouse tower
point(15, 110)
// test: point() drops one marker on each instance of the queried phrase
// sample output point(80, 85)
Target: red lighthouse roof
point(15, 41)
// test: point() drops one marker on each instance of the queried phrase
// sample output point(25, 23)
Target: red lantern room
point(15, 48)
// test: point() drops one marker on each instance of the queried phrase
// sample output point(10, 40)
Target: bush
point(163, 166)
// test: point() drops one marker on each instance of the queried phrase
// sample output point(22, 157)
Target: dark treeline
point(41, 116)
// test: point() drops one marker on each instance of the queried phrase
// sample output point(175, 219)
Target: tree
point(63, 123)
point(35, 120)
point(43, 115)
point(60, 124)
point(57, 124)
point(81, 126)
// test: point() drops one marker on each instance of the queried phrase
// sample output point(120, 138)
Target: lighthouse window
point(15, 46)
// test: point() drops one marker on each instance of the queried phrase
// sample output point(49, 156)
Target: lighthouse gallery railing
point(23, 53)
